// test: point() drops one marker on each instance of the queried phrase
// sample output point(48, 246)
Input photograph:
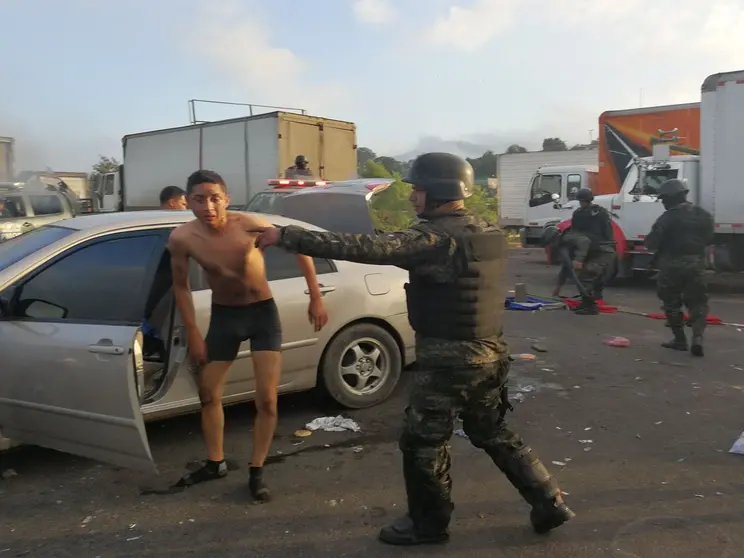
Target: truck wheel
point(361, 366)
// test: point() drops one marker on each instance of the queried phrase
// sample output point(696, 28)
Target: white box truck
point(247, 152)
point(714, 179)
point(524, 177)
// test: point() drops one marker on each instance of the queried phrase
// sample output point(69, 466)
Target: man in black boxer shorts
point(242, 309)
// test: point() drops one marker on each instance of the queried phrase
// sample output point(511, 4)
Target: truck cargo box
point(246, 152)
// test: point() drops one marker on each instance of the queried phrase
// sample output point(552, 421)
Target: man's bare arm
point(181, 287)
point(308, 270)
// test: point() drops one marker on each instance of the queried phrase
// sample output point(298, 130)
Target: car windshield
point(15, 249)
point(266, 202)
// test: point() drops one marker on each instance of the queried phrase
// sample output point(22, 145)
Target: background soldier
point(679, 238)
point(300, 169)
point(455, 305)
point(595, 254)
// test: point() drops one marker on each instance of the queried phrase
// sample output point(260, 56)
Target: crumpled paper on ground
point(333, 424)
point(738, 446)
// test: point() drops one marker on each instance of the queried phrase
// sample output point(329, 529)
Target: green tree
point(516, 148)
point(392, 165)
point(554, 144)
point(364, 154)
point(373, 169)
point(104, 165)
point(485, 166)
point(482, 204)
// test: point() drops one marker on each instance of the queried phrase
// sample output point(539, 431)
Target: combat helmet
point(443, 176)
point(585, 194)
point(672, 187)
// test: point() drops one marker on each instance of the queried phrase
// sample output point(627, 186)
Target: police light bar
point(286, 183)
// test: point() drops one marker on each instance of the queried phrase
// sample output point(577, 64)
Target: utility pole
point(591, 136)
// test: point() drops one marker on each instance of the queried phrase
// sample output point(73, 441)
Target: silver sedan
point(92, 345)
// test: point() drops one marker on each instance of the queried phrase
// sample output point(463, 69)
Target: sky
point(77, 75)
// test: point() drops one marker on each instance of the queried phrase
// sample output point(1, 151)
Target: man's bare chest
point(224, 255)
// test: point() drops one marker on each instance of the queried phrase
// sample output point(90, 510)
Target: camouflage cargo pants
point(682, 283)
point(595, 272)
point(477, 394)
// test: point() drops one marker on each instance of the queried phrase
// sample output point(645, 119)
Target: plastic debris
point(539, 347)
point(518, 397)
point(738, 447)
point(586, 441)
point(525, 389)
point(357, 449)
point(303, 433)
point(617, 342)
point(559, 463)
point(525, 356)
point(461, 433)
point(333, 424)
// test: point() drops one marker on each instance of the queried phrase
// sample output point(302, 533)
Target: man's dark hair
point(204, 177)
point(170, 192)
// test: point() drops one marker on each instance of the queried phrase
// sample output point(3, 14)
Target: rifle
point(567, 263)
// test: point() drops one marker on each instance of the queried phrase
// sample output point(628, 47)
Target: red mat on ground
point(710, 320)
point(601, 305)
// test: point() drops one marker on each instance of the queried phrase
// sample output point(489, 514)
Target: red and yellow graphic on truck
point(626, 134)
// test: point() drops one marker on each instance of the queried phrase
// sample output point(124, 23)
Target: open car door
point(88, 404)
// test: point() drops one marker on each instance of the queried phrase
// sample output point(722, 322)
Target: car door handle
point(323, 289)
point(103, 349)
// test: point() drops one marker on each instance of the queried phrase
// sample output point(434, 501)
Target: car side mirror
point(41, 309)
point(6, 301)
point(555, 197)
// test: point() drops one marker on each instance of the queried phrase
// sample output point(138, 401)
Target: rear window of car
point(15, 249)
point(11, 206)
point(266, 202)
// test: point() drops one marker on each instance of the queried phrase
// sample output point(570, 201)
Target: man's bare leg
point(211, 387)
point(267, 371)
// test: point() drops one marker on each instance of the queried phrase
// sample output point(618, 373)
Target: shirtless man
point(242, 309)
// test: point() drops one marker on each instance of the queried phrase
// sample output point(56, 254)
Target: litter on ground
point(617, 342)
point(738, 447)
point(333, 424)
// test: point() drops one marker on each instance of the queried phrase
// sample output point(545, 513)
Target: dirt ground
point(638, 437)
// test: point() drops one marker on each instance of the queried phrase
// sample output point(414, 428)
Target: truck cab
point(107, 192)
point(551, 188)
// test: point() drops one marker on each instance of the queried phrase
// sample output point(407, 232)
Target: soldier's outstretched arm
point(404, 249)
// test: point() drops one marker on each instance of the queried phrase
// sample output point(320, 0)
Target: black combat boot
point(429, 511)
point(527, 474)
point(588, 307)
point(697, 346)
point(679, 343)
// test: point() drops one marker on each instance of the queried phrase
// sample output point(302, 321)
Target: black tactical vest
point(689, 231)
point(471, 306)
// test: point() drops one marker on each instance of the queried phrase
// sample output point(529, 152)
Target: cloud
point(374, 11)
point(469, 28)
point(242, 50)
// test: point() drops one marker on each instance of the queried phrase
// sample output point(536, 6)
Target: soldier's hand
point(267, 236)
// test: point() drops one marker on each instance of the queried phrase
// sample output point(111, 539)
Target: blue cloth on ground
point(532, 303)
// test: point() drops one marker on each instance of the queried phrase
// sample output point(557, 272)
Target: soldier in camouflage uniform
point(455, 305)
point(594, 254)
point(679, 237)
point(300, 170)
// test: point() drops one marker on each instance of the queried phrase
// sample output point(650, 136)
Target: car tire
point(364, 350)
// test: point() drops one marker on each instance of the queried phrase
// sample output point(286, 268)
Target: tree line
point(484, 166)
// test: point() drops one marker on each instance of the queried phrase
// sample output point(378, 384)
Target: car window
point(108, 185)
point(15, 249)
point(46, 204)
point(266, 202)
point(101, 282)
point(12, 206)
point(283, 265)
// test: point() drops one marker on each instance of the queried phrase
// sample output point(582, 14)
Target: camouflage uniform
point(591, 234)
point(452, 377)
point(679, 238)
point(294, 172)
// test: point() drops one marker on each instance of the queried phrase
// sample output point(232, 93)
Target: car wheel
point(361, 366)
